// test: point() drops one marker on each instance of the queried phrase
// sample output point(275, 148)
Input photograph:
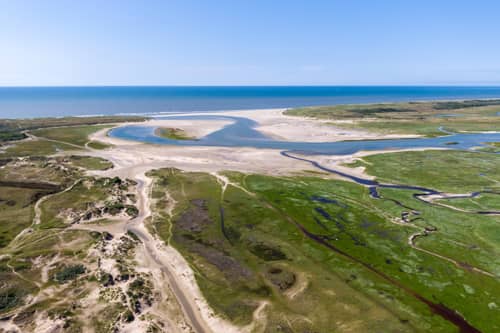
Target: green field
point(418, 118)
point(37, 148)
point(22, 184)
point(257, 255)
point(448, 171)
point(483, 202)
point(54, 135)
point(77, 135)
point(13, 129)
point(49, 141)
point(301, 253)
point(491, 147)
point(260, 233)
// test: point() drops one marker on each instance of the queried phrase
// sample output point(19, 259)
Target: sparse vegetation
point(60, 265)
point(37, 148)
point(10, 298)
point(12, 129)
point(75, 135)
point(98, 145)
point(90, 162)
point(453, 105)
point(69, 273)
point(89, 199)
point(422, 118)
point(173, 133)
point(322, 254)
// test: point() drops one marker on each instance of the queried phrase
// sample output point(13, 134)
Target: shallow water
point(241, 133)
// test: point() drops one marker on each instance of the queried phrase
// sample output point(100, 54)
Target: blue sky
point(273, 42)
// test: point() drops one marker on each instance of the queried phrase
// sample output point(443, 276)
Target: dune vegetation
point(417, 118)
point(87, 245)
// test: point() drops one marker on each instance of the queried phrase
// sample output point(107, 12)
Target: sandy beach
point(272, 123)
point(130, 155)
point(275, 124)
point(249, 167)
point(134, 159)
point(172, 275)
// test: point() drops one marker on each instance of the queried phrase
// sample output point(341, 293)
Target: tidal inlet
point(316, 219)
point(249, 166)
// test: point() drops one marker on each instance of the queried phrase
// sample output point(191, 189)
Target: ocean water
point(30, 102)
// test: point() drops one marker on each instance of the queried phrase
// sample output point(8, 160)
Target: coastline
point(272, 123)
point(80, 101)
point(130, 154)
point(133, 159)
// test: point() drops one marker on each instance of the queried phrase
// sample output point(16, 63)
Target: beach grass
point(90, 162)
point(14, 129)
point(36, 148)
point(98, 145)
point(415, 118)
point(49, 141)
point(75, 135)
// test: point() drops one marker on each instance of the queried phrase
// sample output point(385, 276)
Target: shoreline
point(154, 114)
point(272, 123)
point(132, 159)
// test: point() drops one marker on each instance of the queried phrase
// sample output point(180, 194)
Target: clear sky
point(254, 42)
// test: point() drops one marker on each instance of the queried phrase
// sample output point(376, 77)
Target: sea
point(34, 102)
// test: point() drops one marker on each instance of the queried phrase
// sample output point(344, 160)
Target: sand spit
point(277, 125)
point(133, 160)
point(193, 128)
point(271, 122)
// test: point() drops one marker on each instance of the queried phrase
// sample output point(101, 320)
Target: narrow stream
point(242, 133)
point(439, 309)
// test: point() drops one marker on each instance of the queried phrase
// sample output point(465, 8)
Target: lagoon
point(241, 133)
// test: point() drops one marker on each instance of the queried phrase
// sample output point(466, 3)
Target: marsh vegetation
point(420, 118)
point(304, 252)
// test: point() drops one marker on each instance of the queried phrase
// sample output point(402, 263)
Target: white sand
point(129, 157)
point(271, 122)
point(132, 160)
point(193, 128)
point(279, 126)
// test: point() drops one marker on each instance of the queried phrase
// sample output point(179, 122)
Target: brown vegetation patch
point(196, 218)
point(232, 269)
point(281, 278)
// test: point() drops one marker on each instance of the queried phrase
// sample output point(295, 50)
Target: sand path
point(133, 160)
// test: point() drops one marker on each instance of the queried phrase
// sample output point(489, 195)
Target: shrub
point(69, 273)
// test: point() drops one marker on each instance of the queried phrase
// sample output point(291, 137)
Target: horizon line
point(497, 85)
